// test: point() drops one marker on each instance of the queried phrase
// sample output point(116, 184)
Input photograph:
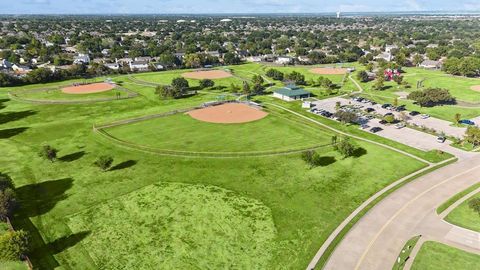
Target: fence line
point(25, 258)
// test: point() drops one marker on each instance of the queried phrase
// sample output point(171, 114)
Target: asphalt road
point(378, 238)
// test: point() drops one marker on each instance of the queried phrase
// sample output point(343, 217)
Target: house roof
point(292, 91)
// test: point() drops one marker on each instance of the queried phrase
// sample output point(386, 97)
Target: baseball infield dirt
point(329, 71)
point(210, 74)
point(475, 88)
point(88, 88)
point(230, 113)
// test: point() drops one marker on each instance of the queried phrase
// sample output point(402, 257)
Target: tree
point(363, 76)
point(234, 88)
point(338, 105)
point(48, 152)
point(398, 79)
point(474, 204)
point(472, 135)
point(395, 102)
point(310, 157)
point(231, 59)
point(257, 79)
point(104, 162)
point(379, 83)
point(431, 97)
point(345, 147)
point(275, 74)
point(8, 202)
point(404, 117)
point(206, 83)
point(457, 118)
point(296, 78)
point(180, 84)
point(389, 118)
point(346, 117)
point(13, 245)
point(401, 59)
point(246, 88)
point(417, 59)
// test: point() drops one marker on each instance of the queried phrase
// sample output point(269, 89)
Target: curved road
point(378, 238)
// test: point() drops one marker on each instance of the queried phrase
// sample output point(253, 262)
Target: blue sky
point(229, 6)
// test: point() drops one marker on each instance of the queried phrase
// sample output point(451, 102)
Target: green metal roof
point(289, 92)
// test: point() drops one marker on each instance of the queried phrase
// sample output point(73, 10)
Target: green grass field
point(464, 216)
point(459, 87)
point(276, 209)
point(437, 256)
point(273, 133)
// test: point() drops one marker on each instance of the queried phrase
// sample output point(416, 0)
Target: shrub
point(345, 147)
point(206, 83)
point(48, 152)
point(7, 203)
point(13, 245)
point(275, 74)
point(475, 205)
point(104, 162)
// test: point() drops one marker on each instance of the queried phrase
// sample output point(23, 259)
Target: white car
point(400, 125)
point(425, 116)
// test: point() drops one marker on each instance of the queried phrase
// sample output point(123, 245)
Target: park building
point(291, 93)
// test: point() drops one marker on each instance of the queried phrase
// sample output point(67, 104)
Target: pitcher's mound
point(88, 88)
point(475, 88)
point(229, 113)
point(210, 74)
point(329, 71)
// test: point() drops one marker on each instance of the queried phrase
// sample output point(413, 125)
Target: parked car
point(400, 108)
point(466, 122)
point(373, 103)
point(414, 113)
point(365, 126)
point(387, 114)
point(425, 116)
point(441, 139)
point(376, 129)
point(400, 125)
point(386, 105)
point(383, 122)
point(369, 110)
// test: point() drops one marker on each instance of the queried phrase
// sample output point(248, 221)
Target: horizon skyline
point(191, 7)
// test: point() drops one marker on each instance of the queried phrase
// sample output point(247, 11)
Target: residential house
point(114, 66)
point(81, 59)
point(139, 65)
point(284, 60)
point(430, 64)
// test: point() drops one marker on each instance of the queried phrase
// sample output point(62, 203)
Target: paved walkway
point(377, 239)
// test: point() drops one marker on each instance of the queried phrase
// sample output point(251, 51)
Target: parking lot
point(433, 123)
point(405, 135)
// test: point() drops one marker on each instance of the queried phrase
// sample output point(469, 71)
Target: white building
point(139, 65)
point(81, 59)
point(430, 64)
point(283, 60)
point(114, 66)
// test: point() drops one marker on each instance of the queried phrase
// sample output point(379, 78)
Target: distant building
point(139, 65)
point(430, 64)
point(143, 59)
point(254, 59)
point(291, 93)
point(114, 66)
point(81, 59)
point(226, 20)
point(385, 56)
point(339, 14)
point(284, 60)
point(389, 48)
point(4, 64)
